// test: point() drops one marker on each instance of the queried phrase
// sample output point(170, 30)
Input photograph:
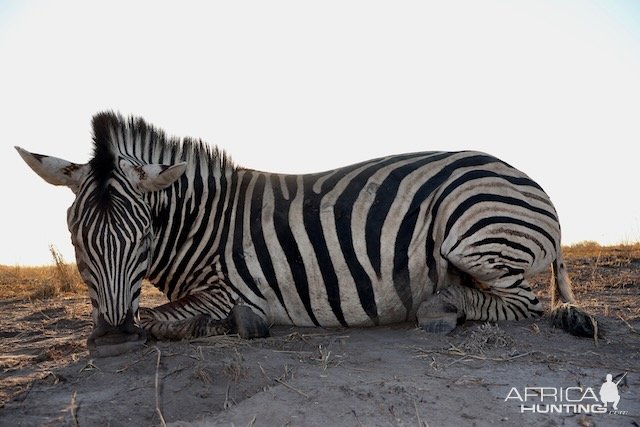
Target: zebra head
point(111, 231)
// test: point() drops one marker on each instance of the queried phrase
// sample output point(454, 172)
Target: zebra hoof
point(248, 324)
point(575, 321)
point(439, 325)
point(437, 317)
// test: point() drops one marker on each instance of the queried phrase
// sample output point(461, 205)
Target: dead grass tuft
point(488, 337)
point(66, 276)
point(40, 282)
point(202, 373)
point(234, 369)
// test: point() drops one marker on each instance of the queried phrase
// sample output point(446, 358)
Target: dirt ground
point(394, 375)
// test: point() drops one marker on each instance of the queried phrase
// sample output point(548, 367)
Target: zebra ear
point(54, 170)
point(152, 177)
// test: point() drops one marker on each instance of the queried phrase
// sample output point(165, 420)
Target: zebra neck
point(189, 225)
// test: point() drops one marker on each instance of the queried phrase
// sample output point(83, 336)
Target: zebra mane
point(116, 137)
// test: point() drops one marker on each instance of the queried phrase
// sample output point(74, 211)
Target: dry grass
point(234, 369)
point(42, 282)
point(628, 252)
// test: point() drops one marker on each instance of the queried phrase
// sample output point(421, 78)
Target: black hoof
point(575, 321)
point(437, 316)
point(247, 324)
point(442, 324)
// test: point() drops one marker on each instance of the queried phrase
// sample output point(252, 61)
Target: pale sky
point(550, 86)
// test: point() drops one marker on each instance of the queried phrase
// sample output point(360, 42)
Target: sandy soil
point(381, 376)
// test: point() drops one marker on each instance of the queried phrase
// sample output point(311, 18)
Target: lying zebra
point(437, 236)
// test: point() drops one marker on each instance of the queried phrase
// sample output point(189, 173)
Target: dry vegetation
point(57, 280)
point(606, 278)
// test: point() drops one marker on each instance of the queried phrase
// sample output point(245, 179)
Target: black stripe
point(164, 223)
point(385, 196)
point(343, 211)
point(287, 240)
point(502, 241)
point(200, 212)
point(485, 222)
point(495, 253)
point(237, 252)
point(193, 253)
point(313, 227)
point(484, 198)
point(257, 238)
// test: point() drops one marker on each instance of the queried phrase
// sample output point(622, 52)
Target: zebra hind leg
point(507, 299)
point(440, 314)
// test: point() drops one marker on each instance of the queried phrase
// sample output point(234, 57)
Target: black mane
point(116, 137)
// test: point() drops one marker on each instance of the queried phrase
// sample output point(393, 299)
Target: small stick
point(356, 415)
point(74, 407)
point(291, 387)
point(415, 405)
point(627, 323)
point(226, 404)
point(263, 372)
point(162, 421)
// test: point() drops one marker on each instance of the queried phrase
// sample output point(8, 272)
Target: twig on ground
point(227, 404)
point(353, 411)
point(26, 394)
point(73, 407)
point(89, 367)
point(263, 372)
point(158, 411)
point(124, 368)
point(633, 330)
point(415, 405)
point(289, 386)
point(455, 351)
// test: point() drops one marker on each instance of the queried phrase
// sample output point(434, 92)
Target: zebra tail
point(560, 283)
point(564, 311)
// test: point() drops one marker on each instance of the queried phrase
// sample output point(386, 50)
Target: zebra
point(436, 237)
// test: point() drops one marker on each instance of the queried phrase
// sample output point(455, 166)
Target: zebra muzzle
point(108, 340)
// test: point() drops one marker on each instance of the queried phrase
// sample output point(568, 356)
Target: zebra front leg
point(201, 314)
point(201, 325)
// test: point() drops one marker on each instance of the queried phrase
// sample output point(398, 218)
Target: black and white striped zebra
point(441, 236)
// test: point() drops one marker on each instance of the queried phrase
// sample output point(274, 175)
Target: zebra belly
point(284, 303)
